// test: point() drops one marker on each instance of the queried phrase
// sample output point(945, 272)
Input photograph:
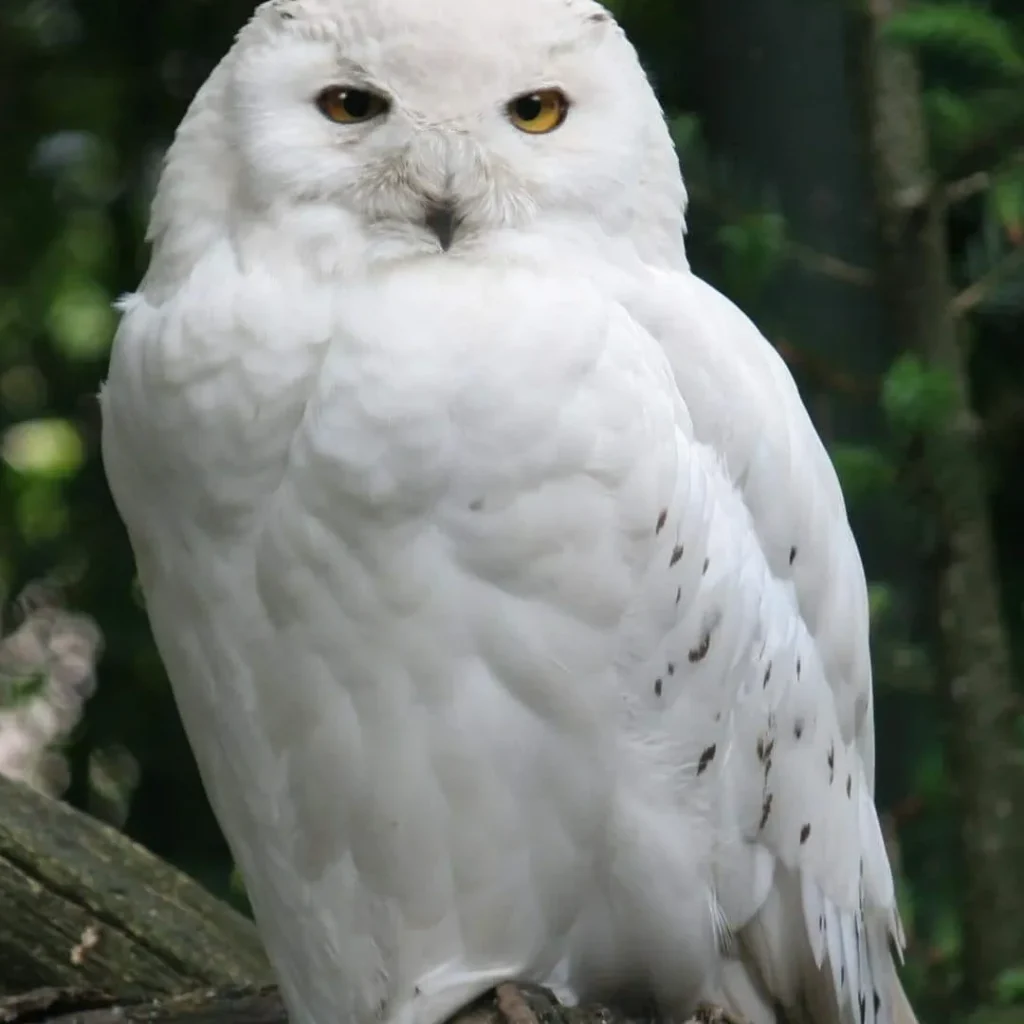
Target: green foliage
point(753, 247)
point(969, 31)
point(1006, 201)
point(975, 83)
point(880, 601)
point(1010, 986)
point(864, 470)
point(685, 129)
point(992, 265)
point(15, 693)
point(917, 398)
point(49, 449)
point(751, 236)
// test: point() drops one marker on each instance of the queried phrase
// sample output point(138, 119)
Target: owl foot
point(513, 1005)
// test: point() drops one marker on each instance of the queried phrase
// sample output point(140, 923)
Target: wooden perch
point(82, 906)
point(512, 1004)
point(258, 1005)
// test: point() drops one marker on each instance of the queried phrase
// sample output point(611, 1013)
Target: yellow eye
point(539, 112)
point(350, 106)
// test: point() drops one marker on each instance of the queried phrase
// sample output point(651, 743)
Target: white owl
point(506, 589)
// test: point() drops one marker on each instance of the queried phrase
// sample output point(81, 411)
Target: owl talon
point(706, 1013)
point(513, 1005)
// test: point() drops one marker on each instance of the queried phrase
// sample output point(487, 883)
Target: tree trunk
point(984, 758)
point(82, 906)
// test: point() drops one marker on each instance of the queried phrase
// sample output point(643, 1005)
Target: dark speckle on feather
point(764, 754)
point(863, 1008)
point(849, 784)
point(671, 668)
point(679, 594)
point(767, 674)
point(831, 762)
point(798, 668)
point(662, 519)
point(706, 758)
point(700, 652)
point(766, 810)
point(878, 1001)
point(792, 555)
point(764, 750)
point(704, 570)
point(677, 553)
point(798, 728)
point(805, 834)
point(657, 687)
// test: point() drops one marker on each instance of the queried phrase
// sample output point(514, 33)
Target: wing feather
point(801, 758)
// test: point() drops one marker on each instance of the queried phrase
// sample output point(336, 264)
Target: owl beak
point(443, 221)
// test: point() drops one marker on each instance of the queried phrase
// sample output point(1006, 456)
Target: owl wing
point(807, 868)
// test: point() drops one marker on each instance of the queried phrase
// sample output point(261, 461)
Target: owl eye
point(350, 106)
point(538, 113)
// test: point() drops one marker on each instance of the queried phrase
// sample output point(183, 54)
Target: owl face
point(434, 122)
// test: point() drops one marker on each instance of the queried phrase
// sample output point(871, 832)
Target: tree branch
point(978, 291)
point(822, 263)
point(83, 906)
point(991, 149)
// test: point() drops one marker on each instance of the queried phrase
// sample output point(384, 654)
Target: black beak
point(441, 219)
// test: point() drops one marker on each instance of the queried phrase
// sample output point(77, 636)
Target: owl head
point(424, 127)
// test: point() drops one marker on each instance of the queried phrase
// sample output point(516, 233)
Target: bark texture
point(83, 906)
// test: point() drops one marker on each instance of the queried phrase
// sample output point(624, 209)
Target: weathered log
point(82, 906)
point(260, 1005)
point(511, 1004)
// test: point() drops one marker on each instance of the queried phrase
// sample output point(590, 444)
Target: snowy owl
point(507, 592)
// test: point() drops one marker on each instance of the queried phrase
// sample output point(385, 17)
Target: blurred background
point(856, 172)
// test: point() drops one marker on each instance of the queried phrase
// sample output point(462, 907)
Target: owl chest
point(399, 427)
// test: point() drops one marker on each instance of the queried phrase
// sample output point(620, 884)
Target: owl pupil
point(529, 108)
point(356, 104)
